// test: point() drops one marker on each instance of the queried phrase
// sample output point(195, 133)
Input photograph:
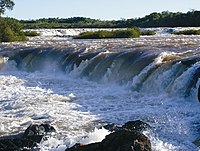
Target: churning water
point(77, 85)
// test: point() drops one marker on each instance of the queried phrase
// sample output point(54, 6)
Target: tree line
point(163, 19)
point(11, 29)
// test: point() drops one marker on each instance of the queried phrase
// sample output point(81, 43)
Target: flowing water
point(80, 85)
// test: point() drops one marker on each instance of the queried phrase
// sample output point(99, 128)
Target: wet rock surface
point(38, 130)
point(136, 126)
point(122, 140)
point(27, 140)
point(125, 138)
point(197, 142)
point(128, 137)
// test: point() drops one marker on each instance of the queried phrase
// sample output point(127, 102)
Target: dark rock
point(112, 127)
point(35, 130)
point(81, 147)
point(199, 93)
point(190, 61)
point(192, 83)
point(29, 139)
point(130, 125)
point(197, 142)
point(136, 126)
point(170, 30)
point(125, 140)
point(122, 140)
point(19, 144)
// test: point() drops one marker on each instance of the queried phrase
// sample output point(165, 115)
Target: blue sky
point(99, 9)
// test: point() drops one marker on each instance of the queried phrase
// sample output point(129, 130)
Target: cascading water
point(77, 85)
point(148, 70)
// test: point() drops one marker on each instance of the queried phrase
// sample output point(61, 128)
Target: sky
point(99, 9)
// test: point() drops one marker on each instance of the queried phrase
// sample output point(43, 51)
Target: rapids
point(77, 85)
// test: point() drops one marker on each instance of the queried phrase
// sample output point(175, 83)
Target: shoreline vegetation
point(31, 33)
point(163, 19)
point(12, 29)
point(125, 33)
point(187, 32)
point(128, 33)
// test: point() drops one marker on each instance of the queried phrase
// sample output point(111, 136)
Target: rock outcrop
point(129, 137)
point(38, 130)
point(125, 138)
point(27, 140)
point(136, 126)
point(130, 125)
point(122, 140)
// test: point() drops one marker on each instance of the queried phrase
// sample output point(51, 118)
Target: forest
point(163, 19)
point(12, 29)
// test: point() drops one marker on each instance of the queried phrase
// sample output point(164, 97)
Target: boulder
point(38, 130)
point(125, 140)
point(130, 125)
point(29, 139)
point(89, 147)
point(112, 127)
point(122, 140)
point(19, 143)
point(129, 137)
point(136, 126)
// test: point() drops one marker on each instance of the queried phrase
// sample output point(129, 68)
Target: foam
point(75, 106)
point(96, 136)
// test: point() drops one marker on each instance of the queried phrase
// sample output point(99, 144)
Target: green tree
point(7, 35)
point(6, 4)
point(11, 30)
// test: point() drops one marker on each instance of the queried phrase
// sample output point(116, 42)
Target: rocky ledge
point(27, 140)
point(129, 137)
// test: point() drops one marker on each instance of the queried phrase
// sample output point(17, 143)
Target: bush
point(10, 30)
point(129, 33)
point(7, 35)
point(148, 33)
point(31, 33)
point(187, 32)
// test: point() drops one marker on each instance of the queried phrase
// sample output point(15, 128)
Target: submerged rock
point(125, 138)
point(26, 141)
point(197, 142)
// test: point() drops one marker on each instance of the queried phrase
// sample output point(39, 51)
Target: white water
point(76, 106)
point(77, 31)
